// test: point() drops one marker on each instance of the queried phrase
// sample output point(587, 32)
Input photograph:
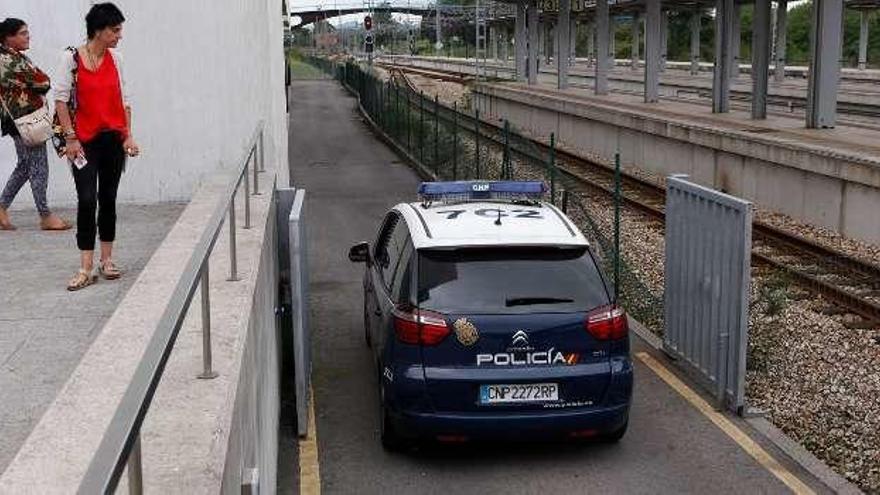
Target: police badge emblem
point(466, 332)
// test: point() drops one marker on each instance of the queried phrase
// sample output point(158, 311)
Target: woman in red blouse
point(98, 138)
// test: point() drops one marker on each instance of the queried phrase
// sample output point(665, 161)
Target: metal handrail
point(120, 444)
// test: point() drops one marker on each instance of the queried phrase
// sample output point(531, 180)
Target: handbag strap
point(75, 54)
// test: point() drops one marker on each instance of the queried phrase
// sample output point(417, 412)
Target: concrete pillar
point(532, 17)
point(636, 43)
point(505, 43)
point(695, 42)
point(737, 40)
point(520, 42)
point(563, 43)
point(542, 42)
point(760, 58)
point(781, 39)
point(652, 50)
point(825, 51)
point(612, 48)
point(724, 41)
point(572, 38)
point(493, 42)
point(664, 39)
point(554, 39)
point(863, 39)
point(602, 47)
point(591, 43)
point(438, 42)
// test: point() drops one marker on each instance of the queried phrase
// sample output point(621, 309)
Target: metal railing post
point(436, 134)
point(247, 196)
point(135, 469)
point(552, 167)
point(616, 227)
point(233, 249)
point(477, 143)
point(262, 150)
point(422, 127)
point(454, 140)
point(254, 167)
point(207, 372)
point(505, 163)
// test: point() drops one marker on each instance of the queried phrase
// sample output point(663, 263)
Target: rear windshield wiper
point(525, 301)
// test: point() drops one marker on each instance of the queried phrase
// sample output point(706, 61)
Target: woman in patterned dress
point(22, 89)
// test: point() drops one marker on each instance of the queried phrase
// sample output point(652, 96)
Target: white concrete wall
point(202, 74)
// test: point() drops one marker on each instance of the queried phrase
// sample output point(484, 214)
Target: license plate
point(519, 393)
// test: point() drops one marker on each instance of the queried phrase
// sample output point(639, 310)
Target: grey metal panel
point(707, 274)
point(299, 288)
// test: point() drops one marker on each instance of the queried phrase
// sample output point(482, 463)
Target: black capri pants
point(96, 186)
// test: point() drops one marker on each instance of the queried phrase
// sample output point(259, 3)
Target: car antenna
point(498, 220)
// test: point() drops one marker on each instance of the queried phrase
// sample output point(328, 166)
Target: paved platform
point(44, 329)
point(858, 99)
point(352, 179)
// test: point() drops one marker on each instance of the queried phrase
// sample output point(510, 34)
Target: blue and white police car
point(489, 317)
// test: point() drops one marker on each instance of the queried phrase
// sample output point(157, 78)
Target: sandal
point(54, 222)
point(109, 270)
point(5, 222)
point(81, 280)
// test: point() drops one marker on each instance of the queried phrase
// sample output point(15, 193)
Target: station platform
point(44, 329)
point(824, 177)
point(673, 445)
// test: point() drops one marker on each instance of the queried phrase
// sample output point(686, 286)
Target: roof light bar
point(481, 190)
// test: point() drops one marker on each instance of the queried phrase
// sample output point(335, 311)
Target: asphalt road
point(351, 180)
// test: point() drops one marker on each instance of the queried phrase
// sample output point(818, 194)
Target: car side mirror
point(359, 253)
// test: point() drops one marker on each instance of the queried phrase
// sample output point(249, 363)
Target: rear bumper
point(549, 424)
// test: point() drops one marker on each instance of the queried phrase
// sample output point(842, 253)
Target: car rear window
point(510, 280)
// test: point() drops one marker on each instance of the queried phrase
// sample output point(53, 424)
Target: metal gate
point(708, 260)
point(293, 261)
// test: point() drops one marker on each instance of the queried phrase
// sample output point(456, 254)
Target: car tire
point(391, 440)
point(367, 339)
point(616, 435)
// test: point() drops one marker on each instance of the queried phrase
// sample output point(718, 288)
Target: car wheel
point(367, 338)
point(616, 435)
point(391, 440)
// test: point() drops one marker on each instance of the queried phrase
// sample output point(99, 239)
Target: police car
point(489, 317)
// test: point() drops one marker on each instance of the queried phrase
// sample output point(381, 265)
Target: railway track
point(860, 116)
point(850, 285)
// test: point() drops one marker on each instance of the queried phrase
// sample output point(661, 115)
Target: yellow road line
point(309, 470)
point(738, 436)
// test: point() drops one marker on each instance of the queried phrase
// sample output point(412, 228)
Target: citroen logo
point(520, 339)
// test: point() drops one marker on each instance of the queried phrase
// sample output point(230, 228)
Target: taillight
point(607, 323)
point(419, 326)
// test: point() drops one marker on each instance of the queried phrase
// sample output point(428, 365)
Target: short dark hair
point(9, 27)
point(102, 16)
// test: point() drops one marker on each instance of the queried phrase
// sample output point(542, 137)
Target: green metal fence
point(456, 143)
